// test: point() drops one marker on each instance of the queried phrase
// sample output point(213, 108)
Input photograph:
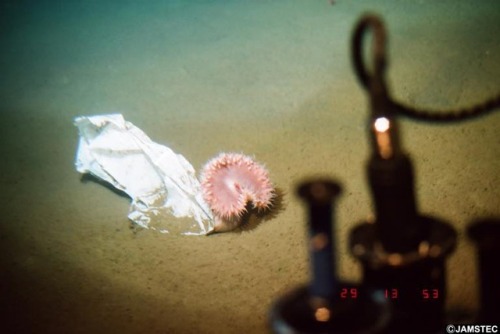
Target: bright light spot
point(382, 124)
point(322, 314)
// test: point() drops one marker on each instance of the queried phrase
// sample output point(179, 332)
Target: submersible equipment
point(402, 252)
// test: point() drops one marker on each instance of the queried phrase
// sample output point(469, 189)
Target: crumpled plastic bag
point(159, 181)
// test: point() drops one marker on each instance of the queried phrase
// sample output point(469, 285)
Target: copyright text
point(471, 329)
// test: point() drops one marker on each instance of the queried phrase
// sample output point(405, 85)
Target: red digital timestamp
point(352, 293)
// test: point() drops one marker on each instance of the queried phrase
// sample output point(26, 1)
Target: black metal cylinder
point(320, 306)
point(392, 185)
point(486, 234)
point(414, 282)
point(319, 196)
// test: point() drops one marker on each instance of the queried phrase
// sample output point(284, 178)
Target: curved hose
point(375, 82)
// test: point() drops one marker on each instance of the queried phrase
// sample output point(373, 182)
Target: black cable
point(376, 79)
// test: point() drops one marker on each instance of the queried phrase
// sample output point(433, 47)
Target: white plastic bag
point(159, 181)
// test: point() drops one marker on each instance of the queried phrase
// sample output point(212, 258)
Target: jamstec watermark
point(472, 328)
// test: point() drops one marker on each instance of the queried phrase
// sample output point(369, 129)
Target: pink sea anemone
point(231, 184)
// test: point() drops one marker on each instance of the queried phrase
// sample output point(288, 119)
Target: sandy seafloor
point(272, 79)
